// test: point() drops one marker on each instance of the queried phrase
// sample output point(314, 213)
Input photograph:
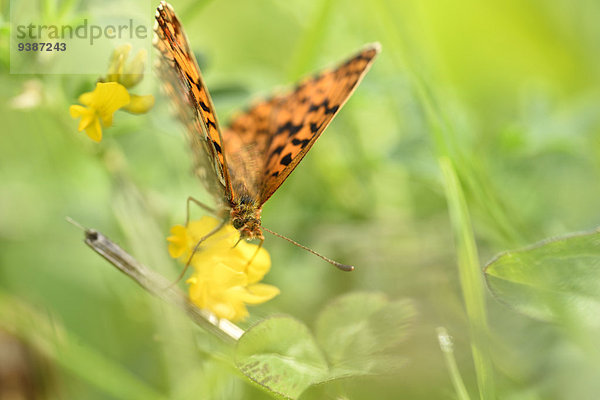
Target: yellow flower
point(112, 94)
point(223, 281)
point(101, 105)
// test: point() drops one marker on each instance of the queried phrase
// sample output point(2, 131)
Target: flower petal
point(223, 275)
point(86, 98)
point(259, 293)
point(139, 104)
point(88, 120)
point(94, 130)
point(87, 116)
point(108, 98)
point(261, 264)
point(77, 111)
point(229, 311)
point(178, 241)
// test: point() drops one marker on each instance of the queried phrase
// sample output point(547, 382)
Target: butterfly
point(245, 163)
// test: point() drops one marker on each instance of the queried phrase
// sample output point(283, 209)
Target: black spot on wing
point(332, 110)
point(286, 160)
point(217, 147)
point(188, 76)
point(314, 128)
point(290, 128)
point(204, 106)
point(211, 123)
point(302, 143)
point(324, 103)
point(314, 107)
point(277, 150)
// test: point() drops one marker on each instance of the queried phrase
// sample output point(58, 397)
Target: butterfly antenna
point(341, 266)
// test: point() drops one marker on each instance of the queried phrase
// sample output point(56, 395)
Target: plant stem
point(448, 350)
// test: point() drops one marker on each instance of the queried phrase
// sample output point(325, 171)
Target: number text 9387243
point(41, 46)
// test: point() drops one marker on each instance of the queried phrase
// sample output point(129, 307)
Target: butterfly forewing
point(300, 117)
point(183, 82)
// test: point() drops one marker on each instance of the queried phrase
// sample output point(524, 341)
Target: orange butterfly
point(244, 164)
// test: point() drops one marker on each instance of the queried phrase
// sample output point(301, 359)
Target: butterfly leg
point(197, 247)
point(256, 252)
point(238, 242)
point(198, 203)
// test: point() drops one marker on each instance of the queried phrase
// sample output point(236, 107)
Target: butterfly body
point(245, 217)
point(243, 165)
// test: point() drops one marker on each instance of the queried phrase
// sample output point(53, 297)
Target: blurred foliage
point(555, 280)
point(507, 91)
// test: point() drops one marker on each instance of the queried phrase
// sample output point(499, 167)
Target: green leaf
point(280, 354)
point(554, 280)
point(357, 331)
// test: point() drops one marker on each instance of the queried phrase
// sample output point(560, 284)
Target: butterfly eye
point(237, 224)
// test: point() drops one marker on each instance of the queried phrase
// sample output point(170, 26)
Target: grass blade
point(470, 279)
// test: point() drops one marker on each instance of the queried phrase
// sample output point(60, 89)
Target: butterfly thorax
point(245, 217)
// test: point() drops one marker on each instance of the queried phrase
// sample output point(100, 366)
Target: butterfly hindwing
point(246, 140)
point(301, 116)
point(183, 82)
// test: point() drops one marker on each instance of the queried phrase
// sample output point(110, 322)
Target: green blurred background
point(509, 91)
